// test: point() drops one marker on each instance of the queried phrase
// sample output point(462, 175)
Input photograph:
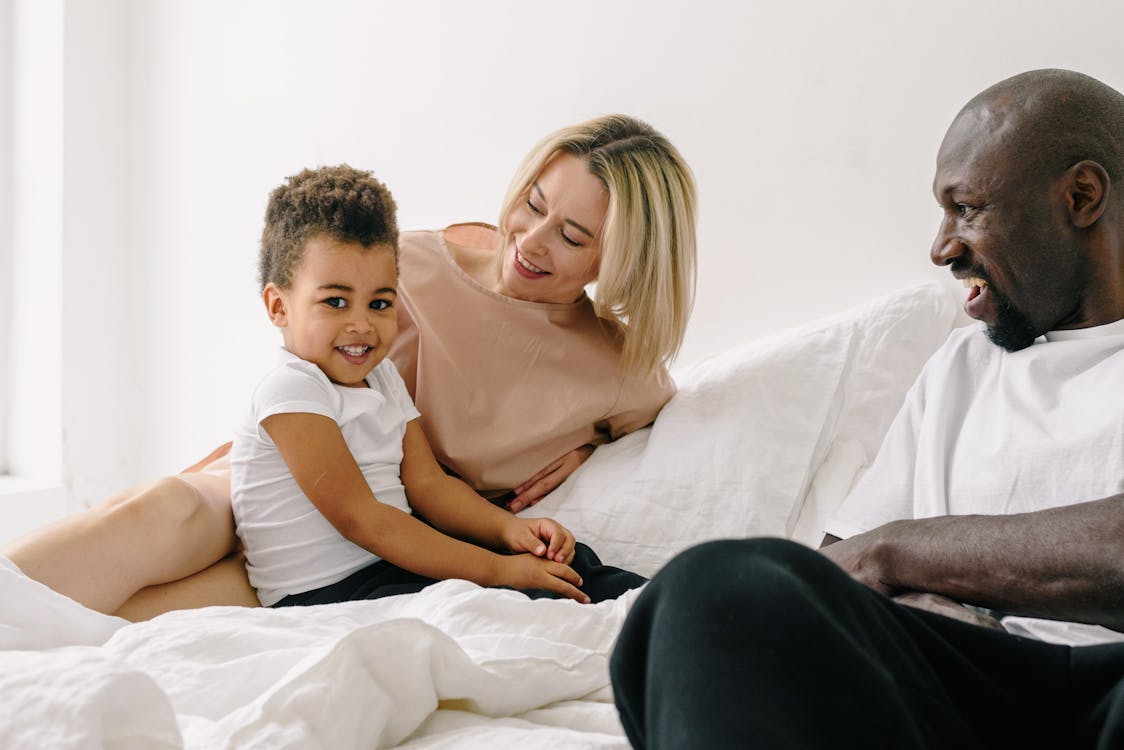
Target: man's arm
point(1063, 563)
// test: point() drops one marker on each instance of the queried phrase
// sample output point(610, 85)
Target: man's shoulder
point(968, 341)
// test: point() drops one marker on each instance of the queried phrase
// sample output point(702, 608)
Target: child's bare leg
point(224, 583)
point(148, 535)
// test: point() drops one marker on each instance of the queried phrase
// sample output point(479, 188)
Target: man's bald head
point(1033, 220)
point(1050, 119)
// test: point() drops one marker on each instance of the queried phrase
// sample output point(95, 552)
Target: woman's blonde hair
point(646, 280)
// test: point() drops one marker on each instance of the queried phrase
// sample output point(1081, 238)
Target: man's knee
point(749, 569)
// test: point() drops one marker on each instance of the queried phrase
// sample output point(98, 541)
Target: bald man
point(998, 495)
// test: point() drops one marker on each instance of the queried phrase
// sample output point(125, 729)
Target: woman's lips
point(526, 268)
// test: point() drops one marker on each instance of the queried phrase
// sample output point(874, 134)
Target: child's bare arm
point(318, 457)
point(454, 507)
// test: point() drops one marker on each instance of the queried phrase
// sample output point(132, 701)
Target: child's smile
point(356, 355)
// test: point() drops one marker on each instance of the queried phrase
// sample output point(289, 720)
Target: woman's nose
point(534, 239)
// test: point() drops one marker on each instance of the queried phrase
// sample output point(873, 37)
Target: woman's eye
point(380, 304)
point(534, 208)
point(337, 302)
point(569, 240)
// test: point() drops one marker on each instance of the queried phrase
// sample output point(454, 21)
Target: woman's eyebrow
point(571, 222)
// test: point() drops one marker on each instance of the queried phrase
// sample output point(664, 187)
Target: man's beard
point(1012, 330)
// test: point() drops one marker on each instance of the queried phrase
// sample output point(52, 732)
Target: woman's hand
point(525, 572)
point(542, 537)
point(545, 480)
point(222, 453)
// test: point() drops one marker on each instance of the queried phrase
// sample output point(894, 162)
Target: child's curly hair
point(346, 203)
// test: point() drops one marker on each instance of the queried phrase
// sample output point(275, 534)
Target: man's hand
point(542, 537)
point(548, 478)
point(864, 559)
point(529, 572)
point(942, 605)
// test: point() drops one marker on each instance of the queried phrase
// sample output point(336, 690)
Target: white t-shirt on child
point(988, 431)
point(290, 546)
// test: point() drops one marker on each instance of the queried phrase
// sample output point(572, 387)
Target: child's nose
point(361, 323)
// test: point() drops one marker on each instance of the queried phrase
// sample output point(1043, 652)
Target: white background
point(146, 136)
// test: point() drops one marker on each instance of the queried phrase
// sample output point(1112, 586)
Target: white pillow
point(891, 339)
point(734, 453)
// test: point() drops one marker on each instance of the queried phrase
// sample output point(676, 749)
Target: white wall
point(811, 127)
point(33, 291)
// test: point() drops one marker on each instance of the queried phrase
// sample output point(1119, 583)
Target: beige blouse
point(506, 386)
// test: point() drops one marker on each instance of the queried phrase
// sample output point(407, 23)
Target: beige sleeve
point(639, 403)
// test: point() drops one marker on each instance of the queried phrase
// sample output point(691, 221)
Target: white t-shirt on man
point(290, 546)
point(988, 431)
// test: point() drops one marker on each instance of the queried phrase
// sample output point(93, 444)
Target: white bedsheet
point(437, 669)
point(762, 440)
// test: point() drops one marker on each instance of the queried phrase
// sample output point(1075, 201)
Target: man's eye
point(337, 302)
point(380, 304)
point(964, 209)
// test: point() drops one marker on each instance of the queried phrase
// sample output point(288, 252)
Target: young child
point(329, 464)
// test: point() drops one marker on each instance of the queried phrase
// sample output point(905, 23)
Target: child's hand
point(542, 537)
point(526, 571)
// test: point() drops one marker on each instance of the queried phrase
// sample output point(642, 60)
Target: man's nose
point(947, 247)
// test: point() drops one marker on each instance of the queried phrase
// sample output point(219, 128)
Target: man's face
point(1005, 232)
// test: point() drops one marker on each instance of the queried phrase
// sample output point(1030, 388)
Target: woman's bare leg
point(224, 583)
point(152, 534)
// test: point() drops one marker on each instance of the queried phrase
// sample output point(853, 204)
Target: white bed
point(763, 440)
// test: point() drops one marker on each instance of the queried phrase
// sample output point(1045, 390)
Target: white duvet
point(762, 440)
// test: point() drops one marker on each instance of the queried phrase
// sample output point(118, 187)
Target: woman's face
point(554, 234)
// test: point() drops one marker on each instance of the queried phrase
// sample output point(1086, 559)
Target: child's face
point(340, 312)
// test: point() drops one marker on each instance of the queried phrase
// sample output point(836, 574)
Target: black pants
point(599, 582)
point(764, 643)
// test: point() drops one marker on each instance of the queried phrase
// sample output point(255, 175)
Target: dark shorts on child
point(379, 579)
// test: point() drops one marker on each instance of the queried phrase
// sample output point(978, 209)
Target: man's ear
point(276, 306)
point(1086, 192)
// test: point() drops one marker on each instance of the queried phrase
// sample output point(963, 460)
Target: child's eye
point(380, 304)
point(337, 302)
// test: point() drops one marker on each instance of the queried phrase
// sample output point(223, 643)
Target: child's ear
point(275, 305)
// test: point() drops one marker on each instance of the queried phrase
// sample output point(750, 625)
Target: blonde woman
point(517, 372)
